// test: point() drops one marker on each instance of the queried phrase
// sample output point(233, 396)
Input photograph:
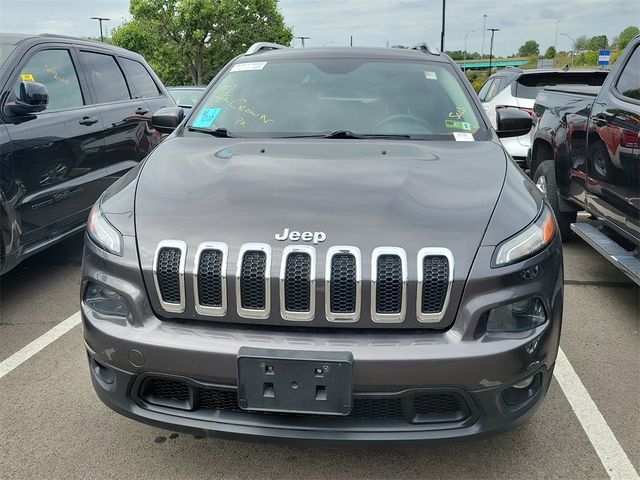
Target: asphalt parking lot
point(54, 426)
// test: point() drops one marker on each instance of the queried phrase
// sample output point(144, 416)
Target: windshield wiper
point(218, 132)
point(349, 134)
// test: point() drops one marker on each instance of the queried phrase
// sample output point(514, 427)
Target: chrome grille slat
point(388, 285)
point(343, 279)
point(435, 277)
point(168, 274)
point(210, 279)
point(253, 289)
point(297, 283)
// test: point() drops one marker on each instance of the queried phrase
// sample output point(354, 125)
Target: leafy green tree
point(528, 48)
point(626, 36)
point(581, 43)
point(597, 42)
point(190, 40)
point(550, 53)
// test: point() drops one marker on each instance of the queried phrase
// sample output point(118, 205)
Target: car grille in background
point(343, 283)
point(168, 272)
point(427, 407)
point(297, 282)
point(252, 280)
point(435, 283)
point(210, 278)
point(389, 284)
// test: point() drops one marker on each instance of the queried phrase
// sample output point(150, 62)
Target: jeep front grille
point(168, 269)
point(388, 284)
point(343, 278)
point(252, 282)
point(435, 275)
point(210, 279)
point(297, 282)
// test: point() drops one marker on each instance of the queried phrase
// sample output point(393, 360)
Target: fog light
point(517, 317)
point(104, 300)
point(526, 383)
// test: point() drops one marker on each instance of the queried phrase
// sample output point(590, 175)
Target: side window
point(107, 78)
point(482, 94)
point(55, 70)
point(139, 76)
point(495, 88)
point(629, 81)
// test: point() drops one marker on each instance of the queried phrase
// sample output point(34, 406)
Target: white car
point(514, 87)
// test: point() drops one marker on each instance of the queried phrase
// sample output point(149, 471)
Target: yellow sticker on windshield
point(27, 77)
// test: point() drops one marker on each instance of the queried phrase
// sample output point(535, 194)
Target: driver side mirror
point(32, 97)
point(166, 119)
point(512, 122)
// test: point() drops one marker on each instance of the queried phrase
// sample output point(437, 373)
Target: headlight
point(517, 317)
point(103, 233)
point(529, 241)
point(104, 300)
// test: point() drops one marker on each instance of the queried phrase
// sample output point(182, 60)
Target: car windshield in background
point(355, 97)
point(186, 97)
point(528, 86)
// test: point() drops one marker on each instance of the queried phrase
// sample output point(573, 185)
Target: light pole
point(555, 45)
point(101, 19)
point(573, 46)
point(492, 30)
point(464, 53)
point(302, 39)
point(484, 28)
point(444, 4)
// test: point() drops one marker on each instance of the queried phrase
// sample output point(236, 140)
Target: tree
point(581, 43)
point(192, 39)
point(597, 42)
point(550, 53)
point(626, 36)
point(528, 48)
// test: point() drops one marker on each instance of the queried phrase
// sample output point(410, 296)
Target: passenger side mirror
point(512, 122)
point(166, 119)
point(33, 97)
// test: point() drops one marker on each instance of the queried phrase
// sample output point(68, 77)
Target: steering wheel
point(404, 117)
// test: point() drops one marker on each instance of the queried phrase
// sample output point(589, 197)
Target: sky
point(372, 22)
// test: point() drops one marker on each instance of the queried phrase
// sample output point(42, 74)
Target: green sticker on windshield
point(457, 124)
point(206, 117)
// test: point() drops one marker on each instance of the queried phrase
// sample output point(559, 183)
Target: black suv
point(74, 116)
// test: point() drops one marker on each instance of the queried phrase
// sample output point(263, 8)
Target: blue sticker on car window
point(206, 117)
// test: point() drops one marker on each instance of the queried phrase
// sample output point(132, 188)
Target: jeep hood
point(362, 193)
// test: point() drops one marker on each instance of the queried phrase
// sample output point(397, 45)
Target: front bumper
point(391, 369)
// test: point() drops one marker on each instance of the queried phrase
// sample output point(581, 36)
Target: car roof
point(18, 38)
point(343, 52)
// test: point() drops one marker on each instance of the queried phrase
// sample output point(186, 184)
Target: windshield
point(528, 86)
point(186, 97)
point(319, 96)
point(5, 51)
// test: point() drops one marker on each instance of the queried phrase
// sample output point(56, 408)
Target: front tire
point(545, 180)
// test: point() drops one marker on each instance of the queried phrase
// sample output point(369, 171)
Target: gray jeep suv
point(332, 246)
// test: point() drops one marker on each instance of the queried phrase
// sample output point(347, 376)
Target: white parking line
point(612, 456)
point(38, 344)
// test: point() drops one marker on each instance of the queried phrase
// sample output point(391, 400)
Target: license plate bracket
point(295, 381)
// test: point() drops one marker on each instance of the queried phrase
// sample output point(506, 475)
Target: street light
point(444, 3)
point(555, 45)
point(464, 53)
point(484, 27)
point(302, 39)
point(492, 30)
point(573, 46)
point(101, 19)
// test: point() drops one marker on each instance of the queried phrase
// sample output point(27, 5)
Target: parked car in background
point(586, 156)
point(74, 116)
point(322, 252)
point(187, 97)
point(514, 87)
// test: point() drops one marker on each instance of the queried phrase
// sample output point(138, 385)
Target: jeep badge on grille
point(315, 237)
